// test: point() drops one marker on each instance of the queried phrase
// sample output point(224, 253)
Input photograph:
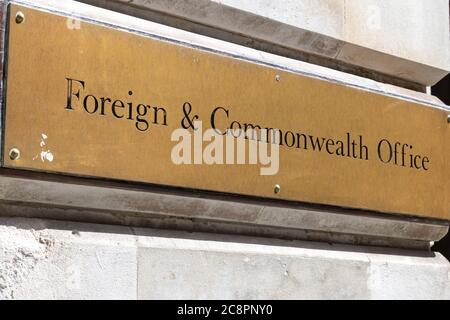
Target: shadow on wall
point(442, 91)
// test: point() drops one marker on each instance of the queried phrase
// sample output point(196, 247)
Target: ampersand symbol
point(187, 108)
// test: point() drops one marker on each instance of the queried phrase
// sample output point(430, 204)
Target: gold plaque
point(93, 101)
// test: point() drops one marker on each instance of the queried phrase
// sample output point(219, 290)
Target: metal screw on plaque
point(448, 118)
point(278, 77)
point(14, 154)
point(277, 189)
point(20, 17)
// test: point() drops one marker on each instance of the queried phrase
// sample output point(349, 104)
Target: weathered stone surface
point(404, 28)
point(37, 262)
point(210, 270)
point(409, 277)
point(63, 260)
point(151, 207)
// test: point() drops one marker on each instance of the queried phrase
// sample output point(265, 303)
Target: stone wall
point(43, 259)
point(389, 41)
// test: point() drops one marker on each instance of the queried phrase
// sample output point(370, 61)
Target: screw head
point(277, 189)
point(20, 17)
point(14, 154)
point(448, 118)
point(278, 77)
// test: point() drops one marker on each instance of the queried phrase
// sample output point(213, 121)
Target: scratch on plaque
point(46, 154)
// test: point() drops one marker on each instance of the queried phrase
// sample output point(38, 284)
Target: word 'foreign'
point(141, 113)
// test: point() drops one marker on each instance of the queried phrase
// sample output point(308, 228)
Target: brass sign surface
point(98, 102)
